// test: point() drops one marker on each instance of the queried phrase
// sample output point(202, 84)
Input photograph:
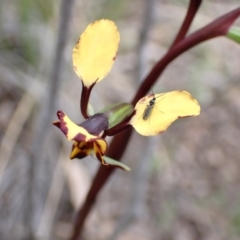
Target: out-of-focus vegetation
point(184, 184)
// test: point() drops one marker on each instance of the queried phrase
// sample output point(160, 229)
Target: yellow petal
point(73, 131)
point(81, 149)
point(95, 51)
point(100, 147)
point(166, 108)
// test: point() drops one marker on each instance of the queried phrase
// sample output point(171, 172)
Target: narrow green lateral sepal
point(234, 34)
point(116, 163)
point(117, 113)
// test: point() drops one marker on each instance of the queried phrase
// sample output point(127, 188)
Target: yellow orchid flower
point(86, 136)
point(93, 57)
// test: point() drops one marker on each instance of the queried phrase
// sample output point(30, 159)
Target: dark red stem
point(100, 179)
point(85, 99)
point(192, 10)
point(217, 28)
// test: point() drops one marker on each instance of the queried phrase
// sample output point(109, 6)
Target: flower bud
point(117, 113)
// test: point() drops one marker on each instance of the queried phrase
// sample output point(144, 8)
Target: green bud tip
point(234, 34)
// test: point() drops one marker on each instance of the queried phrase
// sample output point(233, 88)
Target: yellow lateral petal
point(73, 131)
point(167, 108)
point(95, 52)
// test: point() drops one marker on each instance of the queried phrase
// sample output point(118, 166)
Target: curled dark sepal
point(96, 124)
point(115, 163)
point(218, 27)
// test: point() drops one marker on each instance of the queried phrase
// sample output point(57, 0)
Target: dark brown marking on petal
point(114, 58)
point(89, 145)
point(62, 125)
point(100, 147)
point(60, 114)
point(192, 98)
point(100, 158)
point(143, 100)
point(78, 40)
point(84, 148)
point(57, 124)
point(82, 145)
point(146, 98)
point(92, 140)
point(80, 155)
point(80, 137)
point(186, 116)
point(75, 144)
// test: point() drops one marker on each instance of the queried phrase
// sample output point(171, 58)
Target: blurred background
point(184, 183)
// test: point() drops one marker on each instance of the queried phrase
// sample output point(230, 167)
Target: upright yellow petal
point(152, 119)
point(95, 51)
